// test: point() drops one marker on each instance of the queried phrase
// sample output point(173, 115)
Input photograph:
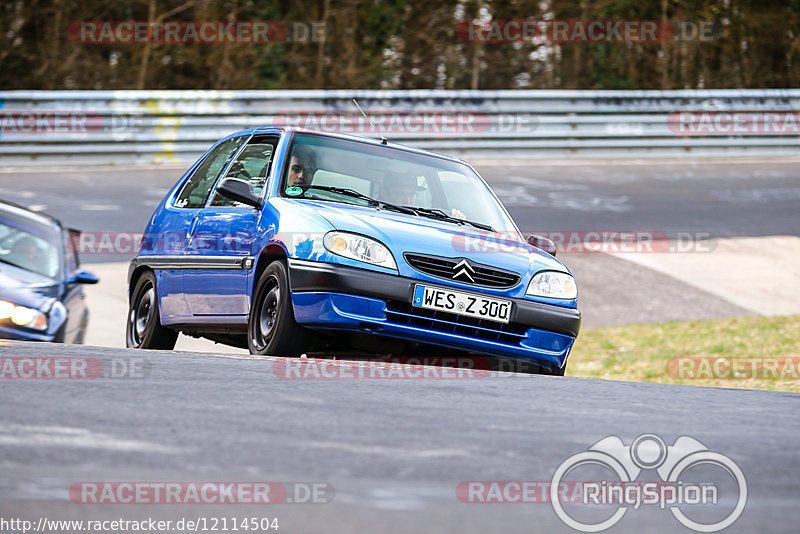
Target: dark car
point(41, 287)
point(287, 241)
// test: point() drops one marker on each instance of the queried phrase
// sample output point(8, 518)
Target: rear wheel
point(144, 330)
point(271, 329)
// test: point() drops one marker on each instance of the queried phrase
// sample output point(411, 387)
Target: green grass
point(650, 353)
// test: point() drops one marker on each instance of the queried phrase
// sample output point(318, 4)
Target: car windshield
point(437, 187)
point(28, 245)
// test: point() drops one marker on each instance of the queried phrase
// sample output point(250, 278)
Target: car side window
point(71, 246)
point(253, 166)
point(196, 190)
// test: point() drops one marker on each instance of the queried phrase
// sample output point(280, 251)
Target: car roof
point(336, 135)
point(22, 211)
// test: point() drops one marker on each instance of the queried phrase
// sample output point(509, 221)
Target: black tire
point(272, 329)
point(61, 334)
point(82, 332)
point(144, 330)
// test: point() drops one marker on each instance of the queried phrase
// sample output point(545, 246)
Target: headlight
point(360, 248)
point(553, 285)
point(22, 316)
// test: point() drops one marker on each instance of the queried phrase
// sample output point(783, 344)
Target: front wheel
point(271, 329)
point(144, 330)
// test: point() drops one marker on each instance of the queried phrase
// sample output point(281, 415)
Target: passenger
point(402, 189)
point(399, 188)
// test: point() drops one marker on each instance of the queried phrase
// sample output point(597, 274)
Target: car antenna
point(384, 141)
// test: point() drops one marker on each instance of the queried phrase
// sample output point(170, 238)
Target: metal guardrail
point(123, 127)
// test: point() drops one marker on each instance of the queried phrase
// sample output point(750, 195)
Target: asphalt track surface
point(395, 450)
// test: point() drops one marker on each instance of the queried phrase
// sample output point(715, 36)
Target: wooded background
point(401, 44)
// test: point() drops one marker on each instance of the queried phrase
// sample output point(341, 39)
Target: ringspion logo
point(685, 468)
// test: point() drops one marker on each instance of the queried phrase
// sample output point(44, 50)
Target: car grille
point(483, 275)
point(406, 314)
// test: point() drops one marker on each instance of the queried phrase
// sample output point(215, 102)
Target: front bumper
point(18, 334)
point(332, 296)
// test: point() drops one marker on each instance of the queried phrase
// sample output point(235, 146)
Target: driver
point(25, 253)
point(302, 166)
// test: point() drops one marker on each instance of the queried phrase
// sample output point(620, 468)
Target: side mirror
point(543, 243)
point(238, 190)
point(83, 277)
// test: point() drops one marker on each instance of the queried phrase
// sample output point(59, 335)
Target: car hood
point(26, 289)
point(409, 233)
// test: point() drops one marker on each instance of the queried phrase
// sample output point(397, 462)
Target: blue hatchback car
point(290, 241)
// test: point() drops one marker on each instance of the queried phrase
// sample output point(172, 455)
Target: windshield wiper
point(355, 194)
point(435, 213)
point(431, 213)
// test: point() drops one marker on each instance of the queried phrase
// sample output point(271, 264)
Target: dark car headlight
point(23, 316)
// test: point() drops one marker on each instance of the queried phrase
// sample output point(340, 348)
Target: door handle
point(192, 230)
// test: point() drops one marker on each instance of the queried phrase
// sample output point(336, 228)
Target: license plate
point(435, 298)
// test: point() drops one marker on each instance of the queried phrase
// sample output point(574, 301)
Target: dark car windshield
point(439, 187)
point(29, 245)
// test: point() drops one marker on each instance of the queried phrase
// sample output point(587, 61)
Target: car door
point(73, 297)
point(222, 240)
point(179, 221)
